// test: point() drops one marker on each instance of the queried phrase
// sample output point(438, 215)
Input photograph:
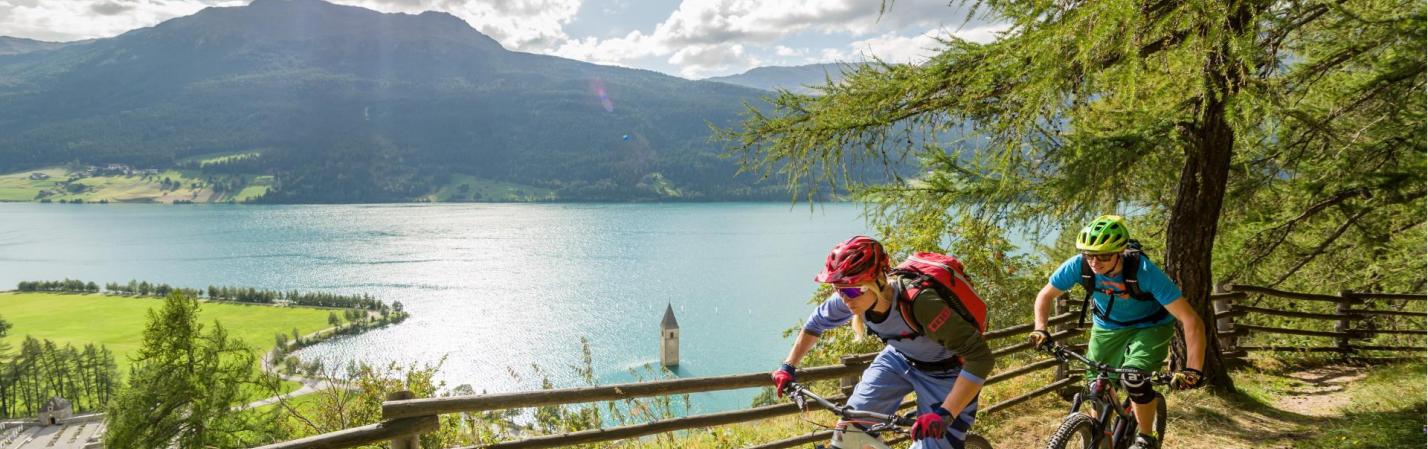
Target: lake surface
point(493, 288)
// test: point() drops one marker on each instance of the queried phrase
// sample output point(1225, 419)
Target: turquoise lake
point(493, 288)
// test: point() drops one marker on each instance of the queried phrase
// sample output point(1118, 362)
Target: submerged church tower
point(669, 339)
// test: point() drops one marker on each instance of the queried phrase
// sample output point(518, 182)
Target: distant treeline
point(41, 370)
point(67, 285)
point(218, 293)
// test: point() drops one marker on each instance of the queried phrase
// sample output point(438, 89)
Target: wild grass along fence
point(405, 417)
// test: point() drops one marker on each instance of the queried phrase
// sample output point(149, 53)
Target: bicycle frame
point(856, 439)
point(1101, 393)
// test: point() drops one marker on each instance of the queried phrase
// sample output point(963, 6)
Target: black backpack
point(1130, 265)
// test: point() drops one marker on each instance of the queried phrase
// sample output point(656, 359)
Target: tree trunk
point(1194, 218)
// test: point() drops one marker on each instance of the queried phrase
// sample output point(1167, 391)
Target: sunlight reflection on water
point(491, 287)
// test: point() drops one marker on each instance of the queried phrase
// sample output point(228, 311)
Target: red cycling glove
point(931, 424)
point(782, 377)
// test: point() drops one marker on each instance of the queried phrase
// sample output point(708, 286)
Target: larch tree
point(183, 384)
point(1307, 116)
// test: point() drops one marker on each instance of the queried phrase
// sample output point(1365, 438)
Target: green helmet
point(1105, 234)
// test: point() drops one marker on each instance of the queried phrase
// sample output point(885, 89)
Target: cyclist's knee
point(1138, 387)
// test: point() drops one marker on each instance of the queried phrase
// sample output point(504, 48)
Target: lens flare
point(598, 87)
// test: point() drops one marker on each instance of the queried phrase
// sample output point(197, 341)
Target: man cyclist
point(945, 364)
point(1134, 315)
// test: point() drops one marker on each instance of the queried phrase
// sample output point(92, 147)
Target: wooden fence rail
point(1344, 318)
point(405, 417)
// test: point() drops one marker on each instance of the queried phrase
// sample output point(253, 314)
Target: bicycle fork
point(1104, 407)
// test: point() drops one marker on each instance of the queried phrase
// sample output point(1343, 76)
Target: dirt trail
point(1319, 391)
point(1201, 421)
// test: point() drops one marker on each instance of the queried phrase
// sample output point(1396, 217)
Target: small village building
point(669, 338)
point(55, 412)
point(37, 176)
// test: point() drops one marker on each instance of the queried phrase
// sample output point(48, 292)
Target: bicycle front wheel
point(1076, 432)
point(975, 441)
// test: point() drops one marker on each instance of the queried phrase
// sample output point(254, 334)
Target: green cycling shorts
point(1143, 348)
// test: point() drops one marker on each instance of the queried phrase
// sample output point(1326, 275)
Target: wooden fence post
point(1228, 343)
point(410, 441)
point(1063, 370)
point(1342, 308)
point(846, 383)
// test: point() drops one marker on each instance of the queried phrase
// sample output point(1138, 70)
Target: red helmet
point(855, 261)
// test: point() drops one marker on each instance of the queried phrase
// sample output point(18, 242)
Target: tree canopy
point(1306, 117)
point(183, 384)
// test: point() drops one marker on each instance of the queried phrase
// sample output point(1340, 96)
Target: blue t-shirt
point(1126, 309)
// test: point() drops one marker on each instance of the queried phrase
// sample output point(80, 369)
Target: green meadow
point(463, 188)
point(117, 322)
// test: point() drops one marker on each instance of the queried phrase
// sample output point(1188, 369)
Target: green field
point(463, 188)
point(118, 322)
point(227, 157)
point(193, 186)
point(257, 187)
point(19, 186)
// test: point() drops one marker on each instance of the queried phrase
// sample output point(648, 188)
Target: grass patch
point(19, 187)
point(463, 188)
point(228, 157)
point(118, 322)
point(1313, 404)
point(1386, 410)
point(256, 188)
point(184, 185)
point(253, 392)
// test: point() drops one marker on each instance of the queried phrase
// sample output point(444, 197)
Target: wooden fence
point(1350, 320)
point(405, 417)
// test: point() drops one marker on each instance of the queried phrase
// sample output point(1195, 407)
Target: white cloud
point(84, 19)
point(696, 25)
point(891, 47)
point(529, 25)
point(703, 60)
point(983, 34)
point(700, 37)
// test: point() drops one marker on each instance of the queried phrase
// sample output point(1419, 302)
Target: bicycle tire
point(1076, 425)
point(975, 441)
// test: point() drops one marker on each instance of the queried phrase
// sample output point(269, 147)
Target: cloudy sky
point(689, 38)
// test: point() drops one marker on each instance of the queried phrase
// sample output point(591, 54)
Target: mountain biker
point(945, 362)
point(1135, 310)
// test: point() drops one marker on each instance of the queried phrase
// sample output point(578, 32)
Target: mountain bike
point(870, 425)
point(1112, 427)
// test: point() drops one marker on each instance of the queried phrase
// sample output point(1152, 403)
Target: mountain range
point(799, 79)
point(17, 45)
point(344, 104)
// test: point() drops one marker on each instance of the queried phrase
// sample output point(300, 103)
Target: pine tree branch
point(1282, 231)
point(1318, 250)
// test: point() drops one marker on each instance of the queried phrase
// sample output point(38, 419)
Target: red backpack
point(944, 274)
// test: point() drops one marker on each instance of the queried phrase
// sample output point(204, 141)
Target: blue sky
point(688, 38)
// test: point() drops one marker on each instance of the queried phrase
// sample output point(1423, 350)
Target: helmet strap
point(885, 295)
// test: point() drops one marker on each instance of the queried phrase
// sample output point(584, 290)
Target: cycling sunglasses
point(851, 292)
point(1100, 257)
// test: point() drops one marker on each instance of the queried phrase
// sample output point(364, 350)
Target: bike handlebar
point(801, 394)
point(1062, 353)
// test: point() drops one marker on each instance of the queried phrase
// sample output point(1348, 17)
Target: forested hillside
point(343, 104)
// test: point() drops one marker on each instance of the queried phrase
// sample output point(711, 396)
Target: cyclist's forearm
point(1194, 344)
point(1042, 308)
point(801, 346)
point(963, 391)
